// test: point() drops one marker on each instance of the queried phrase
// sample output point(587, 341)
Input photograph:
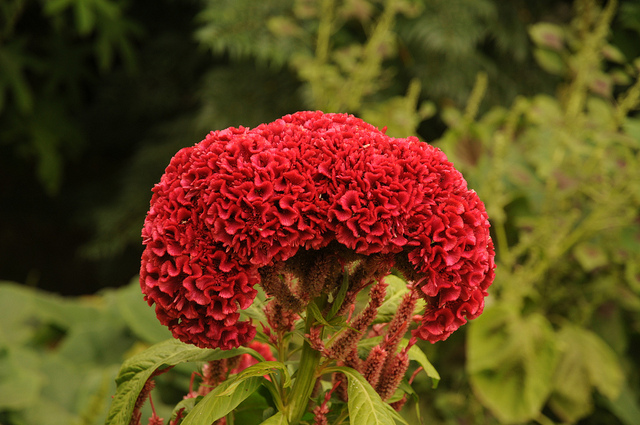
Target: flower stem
point(306, 376)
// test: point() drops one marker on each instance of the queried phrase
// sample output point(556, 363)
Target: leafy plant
point(271, 379)
point(311, 252)
point(43, 74)
point(59, 356)
point(560, 176)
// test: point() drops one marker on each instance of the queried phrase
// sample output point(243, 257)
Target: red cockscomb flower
point(242, 199)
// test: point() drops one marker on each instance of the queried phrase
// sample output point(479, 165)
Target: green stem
point(305, 377)
point(324, 31)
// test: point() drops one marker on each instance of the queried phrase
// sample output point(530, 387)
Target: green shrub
point(560, 177)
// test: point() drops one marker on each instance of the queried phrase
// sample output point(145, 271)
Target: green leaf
point(586, 362)
point(590, 256)
point(71, 393)
point(53, 7)
point(550, 61)
point(26, 309)
point(573, 405)
point(139, 316)
point(261, 369)
point(631, 126)
point(626, 407)
point(50, 160)
point(47, 412)
point(282, 26)
point(317, 314)
point(96, 386)
point(254, 408)
point(365, 405)
point(511, 361)
point(107, 8)
point(416, 354)
point(13, 65)
point(17, 306)
point(223, 399)
point(396, 289)
point(547, 35)
point(601, 362)
point(101, 341)
point(337, 302)
point(277, 419)
point(241, 28)
point(85, 17)
point(408, 389)
point(139, 368)
point(400, 114)
point(613, 54)
point(20, 383)
point(256, 310)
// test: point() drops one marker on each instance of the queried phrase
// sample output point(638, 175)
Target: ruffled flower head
point(244, 199)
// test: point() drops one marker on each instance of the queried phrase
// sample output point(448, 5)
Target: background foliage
point(535, 102)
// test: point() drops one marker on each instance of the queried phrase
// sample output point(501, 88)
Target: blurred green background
point(535, 102)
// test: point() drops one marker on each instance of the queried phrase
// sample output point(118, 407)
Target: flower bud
point(392, 375)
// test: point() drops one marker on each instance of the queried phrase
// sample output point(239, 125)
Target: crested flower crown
point(246, 205)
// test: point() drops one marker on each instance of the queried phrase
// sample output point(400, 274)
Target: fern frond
point(251, 29)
